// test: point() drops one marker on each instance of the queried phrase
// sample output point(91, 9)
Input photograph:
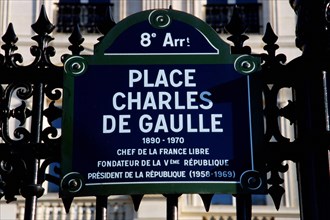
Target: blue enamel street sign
point(160, 107)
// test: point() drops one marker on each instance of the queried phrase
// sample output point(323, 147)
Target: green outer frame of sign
point(193, 21)
point(158, 188)
point(99, 58)
point(210, 34)
point(67, 123)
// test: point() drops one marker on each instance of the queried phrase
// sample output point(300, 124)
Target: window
point(219, 12)
point(87, 14)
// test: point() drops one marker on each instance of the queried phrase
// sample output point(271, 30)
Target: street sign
point(160, 107)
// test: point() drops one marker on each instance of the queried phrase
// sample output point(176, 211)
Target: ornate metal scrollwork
point(10, 59)
point(13, 172)
point(42, 80)
point(275, 180)
point(236, 28)
point(273, 71)
point(275, 79)
point(42, 52)
point(24, 89)
point(23, 92)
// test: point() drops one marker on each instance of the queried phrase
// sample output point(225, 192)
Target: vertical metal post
point(30, 192)
point(172, 207)
point(312, 167)
point(101, 207)
point(30, 209)
point(243, 207)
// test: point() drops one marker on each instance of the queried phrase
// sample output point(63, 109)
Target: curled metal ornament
point(75, 65)
point(246, 64)
point(72, 182)
point(6, 167)
point(250, 180)
point(53, 92)
point(159, 19)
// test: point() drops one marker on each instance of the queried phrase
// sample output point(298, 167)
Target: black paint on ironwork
point(101, 207)
point(243, 206)
point(172, 206)
point(137, 201)
point(313, 37)
point(236, 27)
point(207, 199)
point(21, 170)
point(275, 78)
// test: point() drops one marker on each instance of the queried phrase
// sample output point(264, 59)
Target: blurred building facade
point(64, 13)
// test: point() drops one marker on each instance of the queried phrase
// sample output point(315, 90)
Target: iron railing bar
point(172, 207)
point(244, 207)
point(101, 207)
point(36, 129)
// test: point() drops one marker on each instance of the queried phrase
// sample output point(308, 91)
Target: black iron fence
point(31, 144)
